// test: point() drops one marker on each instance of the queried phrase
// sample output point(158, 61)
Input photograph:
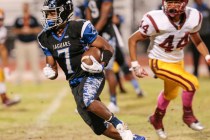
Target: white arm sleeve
point(199, 23)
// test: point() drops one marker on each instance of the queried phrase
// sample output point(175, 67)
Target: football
point(95, 52)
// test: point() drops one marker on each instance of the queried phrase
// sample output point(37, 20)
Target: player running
point(63, 41)
point(4, 69)
point(169, 31)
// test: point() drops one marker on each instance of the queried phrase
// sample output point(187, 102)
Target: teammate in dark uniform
point(64, 41)
point(100, 13)
point(120, 58)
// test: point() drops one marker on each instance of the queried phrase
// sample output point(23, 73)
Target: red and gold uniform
point(166, 48)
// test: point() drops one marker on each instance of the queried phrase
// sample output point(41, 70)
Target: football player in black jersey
point(63, 41)
point(100, 13)
point(120, 59)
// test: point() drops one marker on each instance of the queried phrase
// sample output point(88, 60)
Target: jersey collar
point(63, 34)
point(181, 23)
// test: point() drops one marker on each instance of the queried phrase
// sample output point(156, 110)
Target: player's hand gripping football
point(138, 70)
point(207, 57)
point(48, 71)
point(96, 67)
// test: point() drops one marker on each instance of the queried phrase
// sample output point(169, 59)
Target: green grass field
point(47, 113)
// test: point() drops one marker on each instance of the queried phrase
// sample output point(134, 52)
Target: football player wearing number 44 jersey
point(169, 31)
point(63, 41)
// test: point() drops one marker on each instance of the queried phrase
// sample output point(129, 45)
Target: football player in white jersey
point(4, 65)
point(169, 31)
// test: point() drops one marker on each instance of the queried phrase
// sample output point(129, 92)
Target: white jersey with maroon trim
point(167, 38)
point(3, 34)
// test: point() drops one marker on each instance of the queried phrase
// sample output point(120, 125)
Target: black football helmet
point(63, 10)
point(174, 7)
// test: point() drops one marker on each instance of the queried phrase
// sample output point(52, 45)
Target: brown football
point(95, 52)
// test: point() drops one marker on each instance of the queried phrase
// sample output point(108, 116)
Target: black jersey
point(95, 8)
point(67, 50)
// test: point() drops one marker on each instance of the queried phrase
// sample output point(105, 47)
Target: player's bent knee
point(194, 85)
point(98, 131)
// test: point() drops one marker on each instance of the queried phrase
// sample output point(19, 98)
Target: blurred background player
point(4, 69)
point(166, 56)
point(120, 59)
point(100, 13)
point(63, 41)
point(26, 28)
point(204, 32)
point(79, 10)
point(116, 69)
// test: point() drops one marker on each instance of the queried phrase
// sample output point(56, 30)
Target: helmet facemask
point(174, 7)
point(61, 13)
point(50, 22)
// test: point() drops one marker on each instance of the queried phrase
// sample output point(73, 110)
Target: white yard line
point(41, 121)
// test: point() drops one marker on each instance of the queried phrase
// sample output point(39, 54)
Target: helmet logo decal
point(52, 4)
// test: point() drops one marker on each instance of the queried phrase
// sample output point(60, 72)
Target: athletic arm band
point(106, 56)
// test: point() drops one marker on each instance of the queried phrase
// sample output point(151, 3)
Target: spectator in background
point(4, 70)
point(26, 28)
point(204, 32)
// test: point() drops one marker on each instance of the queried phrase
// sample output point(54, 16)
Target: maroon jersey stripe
point(153, 23)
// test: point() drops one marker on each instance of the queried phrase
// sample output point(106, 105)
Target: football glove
point(96, 67)
point(48, 71)
point(138, 70)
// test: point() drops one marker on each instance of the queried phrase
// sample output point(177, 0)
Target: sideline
point(37, 128)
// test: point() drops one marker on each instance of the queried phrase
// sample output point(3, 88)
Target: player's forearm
point(201, 47)
point(17, 31)
point(35, 30)
point(51, 63)
point(88, 14)
point(101, 23)
point(104, 15)
point(132, 48)
point(102, 44)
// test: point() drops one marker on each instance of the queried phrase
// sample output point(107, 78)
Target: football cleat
point(124, 132)
point(140, 94)
point(158, 127)
point(191, 120)
point(196, 126)
point(11, 102)
point(113, 108)
point(137, 137)
point(161, 134)
point(156, 121)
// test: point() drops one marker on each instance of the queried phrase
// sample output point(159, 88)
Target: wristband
point(207, 57)
point(106, 56)
point(134, 63)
